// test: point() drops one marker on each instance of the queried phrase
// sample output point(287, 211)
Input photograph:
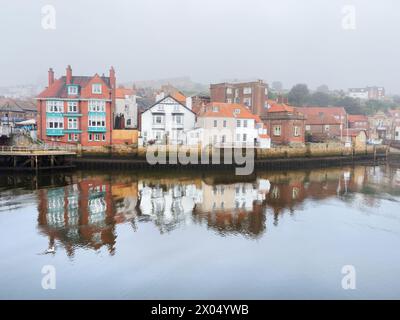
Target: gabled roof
point(59, 87)
point(171, 97)
point(227, 110)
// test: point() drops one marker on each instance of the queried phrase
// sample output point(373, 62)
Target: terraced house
point(77, 109)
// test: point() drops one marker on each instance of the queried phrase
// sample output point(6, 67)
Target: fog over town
point(208, 41)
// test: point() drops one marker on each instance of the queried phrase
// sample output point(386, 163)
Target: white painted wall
point(128, 107)
point(168, 108)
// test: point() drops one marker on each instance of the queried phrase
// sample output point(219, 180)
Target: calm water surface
point(204, 235)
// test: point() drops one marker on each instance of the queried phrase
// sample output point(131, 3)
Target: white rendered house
point(166, 122)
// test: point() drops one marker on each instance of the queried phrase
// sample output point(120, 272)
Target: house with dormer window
point(77, 109)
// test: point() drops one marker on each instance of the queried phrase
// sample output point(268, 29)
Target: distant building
point(395, 129)
point(16, 110)
point(323, 123)
point(77, 109)
point(380, 125)
point(285, 124)
point(166, 121)
point(375, 93)
point(358, 121)
point(251, 94)
point(126, 109)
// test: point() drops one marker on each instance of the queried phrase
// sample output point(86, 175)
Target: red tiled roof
point(326, 110)
point(59, 87)
point(121, 92)
point(357, 118)
point(227, 110)
point(321, 119)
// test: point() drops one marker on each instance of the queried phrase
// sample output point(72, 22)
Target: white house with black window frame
point(166, 122)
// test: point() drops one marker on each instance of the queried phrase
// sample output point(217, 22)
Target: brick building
point(285, 124)
point(254, 94)
point(358, 121)
point(77, 109)
point(323, 123)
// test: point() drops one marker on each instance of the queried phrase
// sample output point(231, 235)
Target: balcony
point(54, 132)
point(97, 129)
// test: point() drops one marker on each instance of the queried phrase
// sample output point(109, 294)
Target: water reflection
point(83, 209)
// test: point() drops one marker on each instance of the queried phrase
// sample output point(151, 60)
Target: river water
point(323, 233)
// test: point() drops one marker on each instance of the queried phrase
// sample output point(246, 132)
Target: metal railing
point(34, 148)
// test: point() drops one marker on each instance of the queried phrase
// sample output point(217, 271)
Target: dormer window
point(237, 111)
point(96, 88)
point(73, 90)
point(215, 109)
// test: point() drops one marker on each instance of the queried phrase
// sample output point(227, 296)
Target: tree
point(298, 95)
point(323, 88)
point(320, 99)
point(396, 99)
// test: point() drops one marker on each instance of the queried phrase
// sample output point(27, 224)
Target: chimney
point(51, 76)
point(189, 102)
point(112, 78)
point(69, 75)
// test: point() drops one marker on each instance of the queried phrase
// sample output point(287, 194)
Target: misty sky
point(209, 40)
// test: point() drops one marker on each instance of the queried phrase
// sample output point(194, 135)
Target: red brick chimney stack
point(69, 75)
point(51, 76)
point(112, 78)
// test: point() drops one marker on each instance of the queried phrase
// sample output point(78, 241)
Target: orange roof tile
point(228, 110)
point(121, 92)
point(357, 118)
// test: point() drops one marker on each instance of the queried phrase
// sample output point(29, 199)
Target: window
point(247, 102)
point(308, 127)
point(215, 109)
point(72, 123)
point(55, 122)
point(236, 111)
point(223, 140)
point(128, 122)
point(158, 135)
point(104, 137)
point(237, 123)
point(73, 137)
point(247, 90)
point(238, 137)
point(215, 123)
point(229, 100)
point(160, 107)
point(55, 106)
point(97, 137)
point(224, 123)
point(244, 137)
point(296, 131)
point(228, 90)
point(266, 91)
point(177, 119)
point(72, 106)
point(158, 119)
point(97, 106)
point(72, 90)
point(96, 88)
point(97, 121)
point(277, 130)
point(90, 137)
point(326, 127)
point(245, 123)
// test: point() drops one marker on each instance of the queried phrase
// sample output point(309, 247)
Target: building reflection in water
point(86, 209)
